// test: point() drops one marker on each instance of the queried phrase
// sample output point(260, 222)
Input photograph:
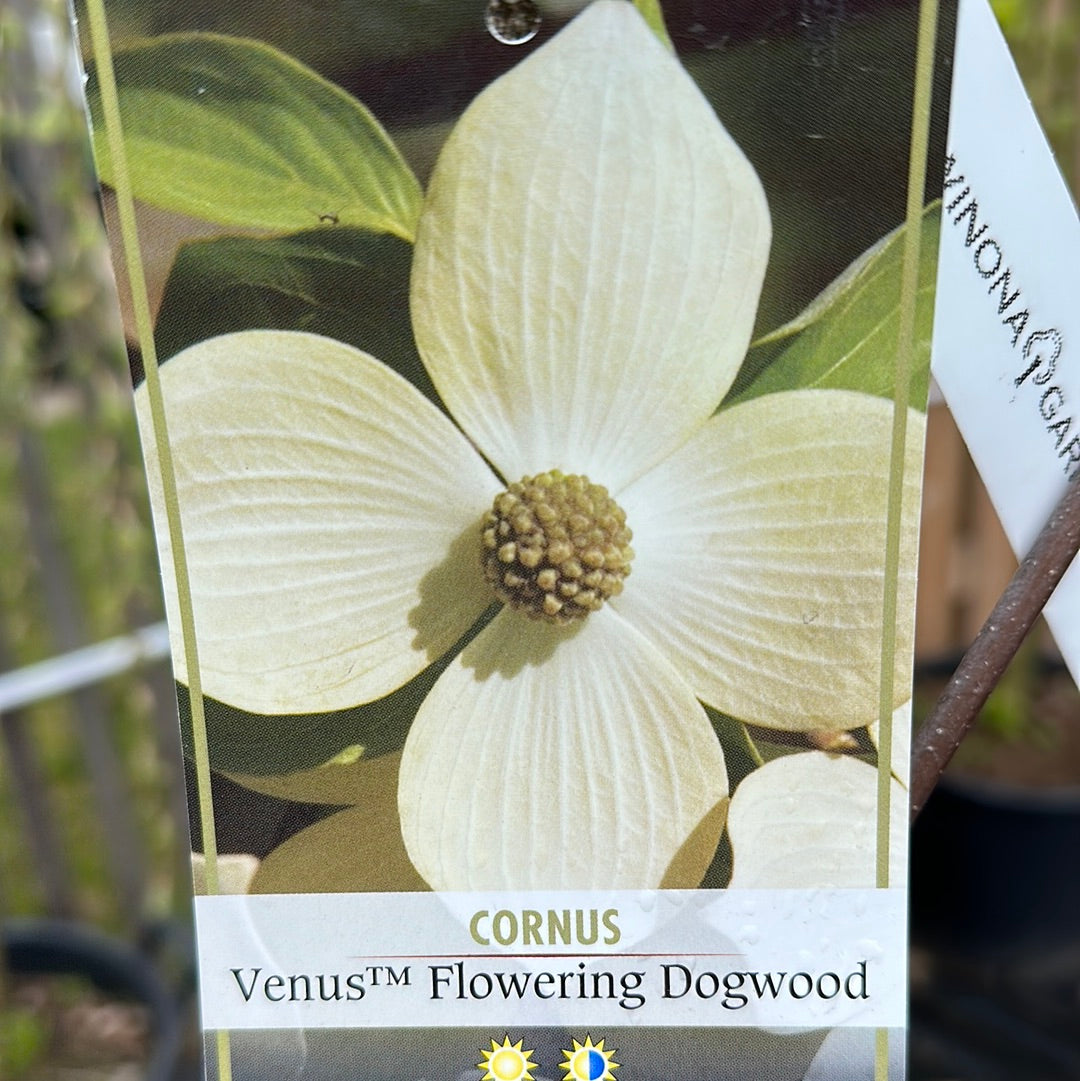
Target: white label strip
point(1006, 348)
point(792, 958)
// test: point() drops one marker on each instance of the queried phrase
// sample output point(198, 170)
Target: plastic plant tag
point(533, 415)
point(1010, 261)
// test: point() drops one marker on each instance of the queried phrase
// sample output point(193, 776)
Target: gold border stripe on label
point(905, 347)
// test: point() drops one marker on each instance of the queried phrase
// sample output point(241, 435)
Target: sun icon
point(589, 1062)
point(506, 1062)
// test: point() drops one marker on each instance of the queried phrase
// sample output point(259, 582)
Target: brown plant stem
point(997, 642)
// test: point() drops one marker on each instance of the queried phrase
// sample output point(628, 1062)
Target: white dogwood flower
point(585, 280)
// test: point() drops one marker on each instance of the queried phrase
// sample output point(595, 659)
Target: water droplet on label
point(513, 22)
point(870, 948)
point(749, 934)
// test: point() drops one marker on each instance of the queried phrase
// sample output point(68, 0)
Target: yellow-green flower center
point(556, 546)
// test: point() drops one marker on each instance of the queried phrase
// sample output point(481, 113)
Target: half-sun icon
point(506, 1061)
point(589, 1061)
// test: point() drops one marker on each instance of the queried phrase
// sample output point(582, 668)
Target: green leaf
point(343, 283)
point(275, 745)
point(340, 782)
point(740, 752)
point(846, 338)
point(768, 744)
point(272, 746)
point(654, 16)
point(357, 850)
point(234, 132)
point(697, 854)
point(831, 150)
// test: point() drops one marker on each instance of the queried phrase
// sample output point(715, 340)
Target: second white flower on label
point(585, 280)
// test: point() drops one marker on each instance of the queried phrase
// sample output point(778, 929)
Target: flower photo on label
point(587, 267)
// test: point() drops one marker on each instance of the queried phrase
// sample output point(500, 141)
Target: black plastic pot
point(995, 870)
point(59, 947)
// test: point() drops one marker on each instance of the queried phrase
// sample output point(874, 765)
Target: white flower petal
point(760, 558)
point(329, 515)
point(551, 758)
point(901, 741)
point(589, 258)
point(235, 872)
point(809, 821)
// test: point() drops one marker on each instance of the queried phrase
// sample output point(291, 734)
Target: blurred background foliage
point(1044, 36)
point(77, 563)
point(89, 783)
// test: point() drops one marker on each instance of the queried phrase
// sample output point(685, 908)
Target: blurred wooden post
point(935, 615)
point(965, 561)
